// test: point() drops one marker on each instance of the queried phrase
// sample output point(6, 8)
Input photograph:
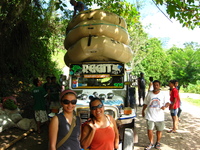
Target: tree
point(25, 36)
point(156, 63)
point(185, 64)
point(187, 12)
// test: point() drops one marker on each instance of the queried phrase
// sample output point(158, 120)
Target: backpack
point(142, 83)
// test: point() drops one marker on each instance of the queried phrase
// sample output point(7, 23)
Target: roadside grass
point(195, 102)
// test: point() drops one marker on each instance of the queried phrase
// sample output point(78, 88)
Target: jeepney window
point(108, 82)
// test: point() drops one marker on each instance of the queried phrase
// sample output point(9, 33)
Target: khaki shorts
point(159, 125)
point(41, 116)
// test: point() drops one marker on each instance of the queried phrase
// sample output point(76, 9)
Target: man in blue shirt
point(80, 6)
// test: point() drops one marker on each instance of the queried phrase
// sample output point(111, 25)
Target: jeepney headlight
point(110, 112)
point(110, 95)
point(102, 96)
point(79, 96)
point(95, 94)
point(84, 96)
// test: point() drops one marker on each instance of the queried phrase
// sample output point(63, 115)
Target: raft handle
point(90, 18)
point(89, 40)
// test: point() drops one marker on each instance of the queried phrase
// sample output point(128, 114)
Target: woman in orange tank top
point(100, 133)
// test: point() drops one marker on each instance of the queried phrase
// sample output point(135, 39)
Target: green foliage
point(195, 102)
point(156, 62)
point(125, 10)
point(26, 30)
point(58, 58)
point(186, 12)
point(99, 2)
point(185, 63)
point(9, 104)
point(193, 88)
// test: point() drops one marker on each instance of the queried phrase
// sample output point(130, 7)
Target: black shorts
point(141, 93)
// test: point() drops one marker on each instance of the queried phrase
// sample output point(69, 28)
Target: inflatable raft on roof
point(96, 27)
point(99, 48)
point(97, 14)
point(97, 38)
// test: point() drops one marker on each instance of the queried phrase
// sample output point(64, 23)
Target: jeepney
point(110, 82)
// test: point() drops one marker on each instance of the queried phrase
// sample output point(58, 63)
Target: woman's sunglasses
point(95, 107)
point(66, 101)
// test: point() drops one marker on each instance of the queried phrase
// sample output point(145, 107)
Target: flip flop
point(171, 131)
point(157, 145)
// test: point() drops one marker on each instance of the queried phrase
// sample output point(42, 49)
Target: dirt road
point(187, 138)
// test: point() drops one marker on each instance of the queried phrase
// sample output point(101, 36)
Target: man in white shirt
point(155, 102)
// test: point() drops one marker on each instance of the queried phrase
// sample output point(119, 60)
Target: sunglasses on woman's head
point(95, 107)
point(66, 101)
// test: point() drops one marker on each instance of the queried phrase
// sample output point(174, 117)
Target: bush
point(9, 104)
point(193, 88)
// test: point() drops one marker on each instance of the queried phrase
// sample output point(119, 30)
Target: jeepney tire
point(135, 108)
point(128, 139)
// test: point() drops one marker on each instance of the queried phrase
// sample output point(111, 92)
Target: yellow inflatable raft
point(96, 27)
point(98, 48)
point(97, 14)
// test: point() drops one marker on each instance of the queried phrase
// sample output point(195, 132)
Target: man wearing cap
point(80, 6)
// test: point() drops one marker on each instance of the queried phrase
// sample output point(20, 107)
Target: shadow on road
point(187, 138)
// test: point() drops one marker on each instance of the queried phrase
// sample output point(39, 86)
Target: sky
point(159, 26)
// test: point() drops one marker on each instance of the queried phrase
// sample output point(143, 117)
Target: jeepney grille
point(110, 112)
point(83, 113)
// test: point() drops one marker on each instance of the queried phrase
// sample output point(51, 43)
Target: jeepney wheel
point(128, 141)
point(135, 108)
